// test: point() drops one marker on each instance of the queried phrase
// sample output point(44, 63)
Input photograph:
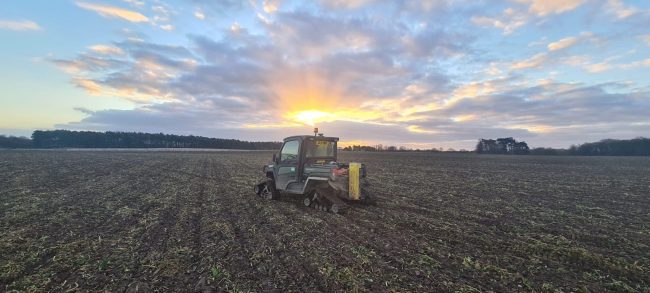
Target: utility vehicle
point(307, 165)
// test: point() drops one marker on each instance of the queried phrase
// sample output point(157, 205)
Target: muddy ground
point(188, 221)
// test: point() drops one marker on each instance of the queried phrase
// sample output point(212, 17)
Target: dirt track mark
point(198, 203)
point(247, 221)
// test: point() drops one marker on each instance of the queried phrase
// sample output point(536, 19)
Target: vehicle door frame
point(281, 179)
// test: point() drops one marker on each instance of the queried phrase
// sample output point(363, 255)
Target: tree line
point(13, 142)
point(110, 139)
point(639, 146)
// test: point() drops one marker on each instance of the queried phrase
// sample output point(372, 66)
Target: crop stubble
point(172, 221)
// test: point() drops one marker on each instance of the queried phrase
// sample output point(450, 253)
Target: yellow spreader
point(354, 174)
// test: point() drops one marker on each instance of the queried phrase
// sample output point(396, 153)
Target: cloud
point(84, 110)
point(617, 8)
point(312, 36)
point(162, 15)
point(270, 6)
point(106, 50)
point(562, 44)
point(113, 12)
point(604, 66)
point(344, 4)
point(555, 55)
point(552, 109)
point(598, 67)
point(19, 25)
point(199, 15)
point(536, 61)
point(135, 3)
point(509, 21)
point(90, 63)
point(512, 19)
point(545, 7)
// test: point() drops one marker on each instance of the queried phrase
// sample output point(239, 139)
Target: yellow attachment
point(354, 173)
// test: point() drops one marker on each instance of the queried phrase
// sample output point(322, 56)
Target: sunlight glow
point(311, 117)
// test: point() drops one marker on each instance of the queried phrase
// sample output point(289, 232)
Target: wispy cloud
point(545, 7)
point(106, 50)
point(167, 27)
point(562, 44)
point(616, 7)
point(113, 12)
point(509, 21)
point(512, 19)
point(535, 61)
point(598, 67)
point(19, 25)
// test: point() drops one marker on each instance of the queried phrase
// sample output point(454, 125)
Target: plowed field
point(188, 221)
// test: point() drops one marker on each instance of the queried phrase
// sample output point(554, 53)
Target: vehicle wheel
point(257, 189)
point(269, 192)
point(307, 201)
point(367, 198)
point(335, 209)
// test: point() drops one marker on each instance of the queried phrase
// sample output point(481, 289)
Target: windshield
point(320, 148)
point(289, 150)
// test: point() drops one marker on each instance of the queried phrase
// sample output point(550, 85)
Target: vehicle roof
point(303, 137)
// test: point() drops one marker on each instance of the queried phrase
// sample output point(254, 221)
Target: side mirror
point(275, 158)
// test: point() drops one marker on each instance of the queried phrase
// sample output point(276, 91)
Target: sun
point(311, 117)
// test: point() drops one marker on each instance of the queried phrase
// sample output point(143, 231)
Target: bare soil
point(189, 221)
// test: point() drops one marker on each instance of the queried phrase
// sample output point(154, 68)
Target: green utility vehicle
point(307, 165)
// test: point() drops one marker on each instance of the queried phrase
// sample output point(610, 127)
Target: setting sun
point(311, 117)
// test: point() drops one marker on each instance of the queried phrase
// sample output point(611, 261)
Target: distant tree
point(506, 145)
point(519, 148)
point(13, 142)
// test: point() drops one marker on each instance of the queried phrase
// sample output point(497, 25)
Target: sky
point(420, 74)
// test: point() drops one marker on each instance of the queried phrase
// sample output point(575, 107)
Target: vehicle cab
point(303, 157)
